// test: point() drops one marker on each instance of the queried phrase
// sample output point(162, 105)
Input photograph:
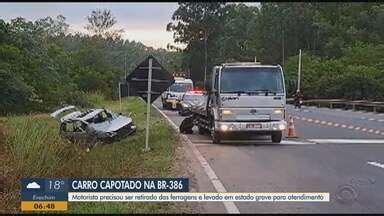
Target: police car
point(172, 97)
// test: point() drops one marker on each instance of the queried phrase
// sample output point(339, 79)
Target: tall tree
point(101, 23)
point(197, 25)
point(53, 27)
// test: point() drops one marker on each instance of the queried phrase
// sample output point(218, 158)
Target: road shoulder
point(190, 167)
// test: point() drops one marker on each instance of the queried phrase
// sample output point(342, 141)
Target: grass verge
point(30, 147)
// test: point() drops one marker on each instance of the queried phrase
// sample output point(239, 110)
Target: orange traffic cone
point(291, 129)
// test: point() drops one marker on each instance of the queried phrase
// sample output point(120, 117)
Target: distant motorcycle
point(300, 103)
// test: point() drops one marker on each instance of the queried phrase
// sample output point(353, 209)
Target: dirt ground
point(184, 168)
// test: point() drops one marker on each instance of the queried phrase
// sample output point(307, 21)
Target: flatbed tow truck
point(242, 98)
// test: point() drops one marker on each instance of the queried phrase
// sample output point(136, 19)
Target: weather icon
point(33, 185)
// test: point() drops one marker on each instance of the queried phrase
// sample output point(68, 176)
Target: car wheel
point(276, 136)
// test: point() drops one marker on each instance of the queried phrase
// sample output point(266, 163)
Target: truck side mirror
point(292, 85)
point(208, 85)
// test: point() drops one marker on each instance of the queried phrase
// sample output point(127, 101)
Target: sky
point(144, 22)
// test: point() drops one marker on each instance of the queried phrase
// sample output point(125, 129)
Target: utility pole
point(148, 104)
point(120, 95)
point(125, 65)
point(120, 81)
point(299, 72)
point(205, 53)
point(205, 65)
point(282, 49)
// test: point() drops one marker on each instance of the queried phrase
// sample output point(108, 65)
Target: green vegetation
point(31, 147)
point(42, 65)
point(358, 74)
point(342, 42)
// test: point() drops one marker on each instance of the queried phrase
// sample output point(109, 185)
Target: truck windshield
point(251, 80)
point(180, 87)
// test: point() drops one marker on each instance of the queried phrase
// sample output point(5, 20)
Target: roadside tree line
point(342, 43)
point(43, 65)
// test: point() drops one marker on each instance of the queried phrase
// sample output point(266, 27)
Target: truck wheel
point(276, 136)
point(186, 126)
point(202, 130)
point(216, 138)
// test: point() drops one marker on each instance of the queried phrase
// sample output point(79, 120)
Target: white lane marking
point(360, 111)
point(347, 141)
point(357, 128)
point(336, 125)
point(330, 124)
point(377, 132)
point(323, 122)
point(370, 131)
point(364, 129)
point(309, 120)
point(343, 126)
point(376, 164)
point(255, 142)
point(317, 121)
point(203, 144)
point(229, 206)
point(373, 119)
point(198, 141)
point(289, 142)
point(350, 127)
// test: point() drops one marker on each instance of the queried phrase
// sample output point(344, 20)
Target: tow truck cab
point(247, 98)
point(173, 95)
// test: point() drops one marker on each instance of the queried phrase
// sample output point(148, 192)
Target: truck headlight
point(224, 127)
point(282, 126)
point(278, 111)
point(226, 111)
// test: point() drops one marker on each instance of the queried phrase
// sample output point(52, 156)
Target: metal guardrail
point(375, 106)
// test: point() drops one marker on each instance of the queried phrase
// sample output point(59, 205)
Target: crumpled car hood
point(112, 125)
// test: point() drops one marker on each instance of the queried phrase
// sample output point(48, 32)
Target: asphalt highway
point(338, 151)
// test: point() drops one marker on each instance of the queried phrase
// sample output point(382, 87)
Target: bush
point(84, 99)
point(95, 98)
point(356, 75)
point(15, 95)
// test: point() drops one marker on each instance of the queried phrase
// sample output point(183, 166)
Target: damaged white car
point(93, 124)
